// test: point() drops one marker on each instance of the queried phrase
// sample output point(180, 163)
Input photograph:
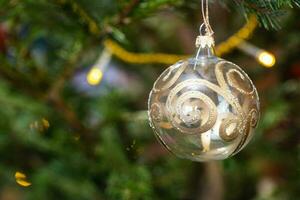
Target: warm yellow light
point(94, 76)
point(266, 59)
point(21, 179)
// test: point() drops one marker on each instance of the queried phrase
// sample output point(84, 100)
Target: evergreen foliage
point(98, 144)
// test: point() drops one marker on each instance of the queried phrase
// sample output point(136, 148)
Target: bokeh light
point(94, 76)
point(266, 59)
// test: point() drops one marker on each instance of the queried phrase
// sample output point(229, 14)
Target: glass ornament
point(204, 108)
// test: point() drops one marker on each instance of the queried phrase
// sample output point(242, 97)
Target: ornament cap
point(205, 41)
point(205, 45)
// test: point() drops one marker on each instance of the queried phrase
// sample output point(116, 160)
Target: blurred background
point(72, 99)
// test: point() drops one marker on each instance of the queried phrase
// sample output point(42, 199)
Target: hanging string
point(205, 15)
point(208, 31)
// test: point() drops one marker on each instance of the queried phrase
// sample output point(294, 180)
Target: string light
point(264, 57)
point(95, 75)
point(267, 59)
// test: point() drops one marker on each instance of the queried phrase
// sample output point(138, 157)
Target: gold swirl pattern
point(185, 116)
point(193, 112)
point(155, 112)
point(253, 117)
point(238, 81)
point(229, 128)
point(180, 69)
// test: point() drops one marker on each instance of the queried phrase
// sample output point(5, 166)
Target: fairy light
point(95, 75)
point(264, 57)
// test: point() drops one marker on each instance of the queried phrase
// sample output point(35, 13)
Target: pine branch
point(268, 12)
point(19, 80)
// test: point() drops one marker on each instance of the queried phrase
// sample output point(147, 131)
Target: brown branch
point(54, 96)
point(213, 185)
point(92, 23)
point(18, 80)
point(126, 12)
point(68, 114)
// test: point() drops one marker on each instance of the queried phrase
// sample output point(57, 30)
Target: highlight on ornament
point(21, 179)
point(94, 76)
point(204, 108)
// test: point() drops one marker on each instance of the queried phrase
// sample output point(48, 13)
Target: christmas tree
point(74, 91)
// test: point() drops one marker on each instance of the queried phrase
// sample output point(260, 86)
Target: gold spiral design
point(176, 69)
point(198, 118)
point(229, 128)
point(193, 112)
point(253, 117)
point(156, 112)
point(238, 80)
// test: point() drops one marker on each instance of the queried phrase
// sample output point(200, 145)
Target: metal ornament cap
point(203, 41)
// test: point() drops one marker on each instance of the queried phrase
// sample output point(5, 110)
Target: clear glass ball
point(204, 108)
